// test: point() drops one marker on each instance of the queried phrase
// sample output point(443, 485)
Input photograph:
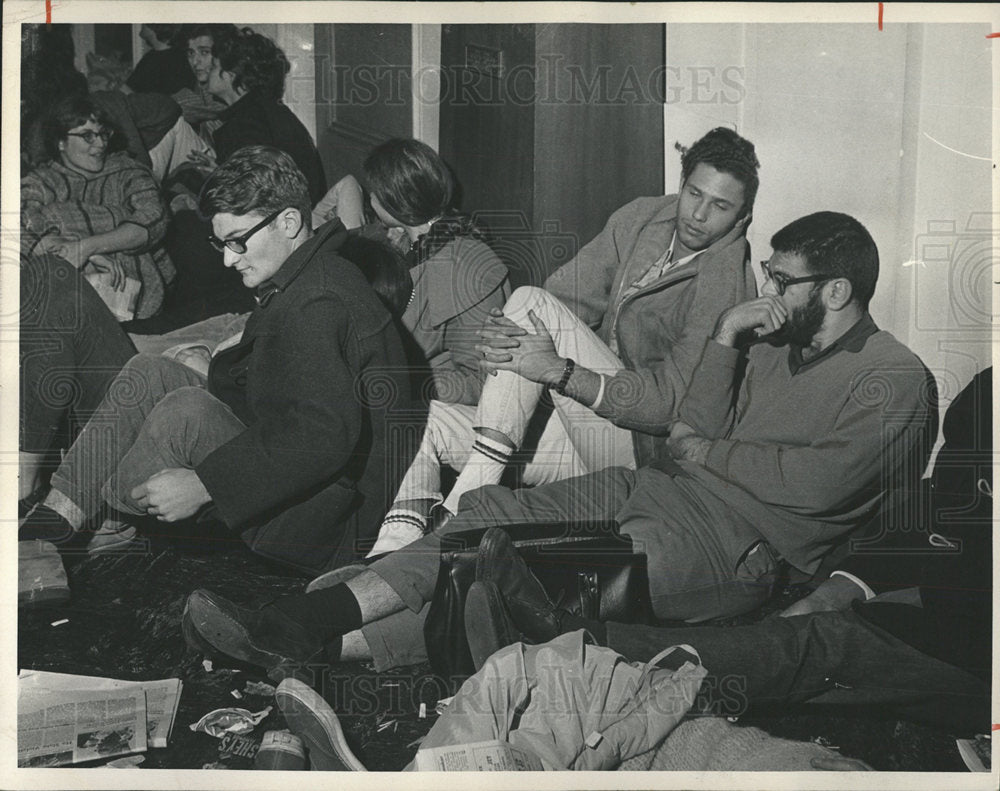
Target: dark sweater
point(317, 378)
point(257, 121)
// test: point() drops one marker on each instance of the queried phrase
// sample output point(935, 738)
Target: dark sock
point(326, 613)
point(568, 622)
point(45, 524)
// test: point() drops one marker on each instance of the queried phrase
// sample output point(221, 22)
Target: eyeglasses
point(89, 137)
point(782, 281)
point(238, 244)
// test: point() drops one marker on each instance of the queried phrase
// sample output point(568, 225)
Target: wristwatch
point(560, 386)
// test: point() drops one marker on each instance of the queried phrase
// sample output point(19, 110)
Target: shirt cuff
point(869, 593)
point(600, 394)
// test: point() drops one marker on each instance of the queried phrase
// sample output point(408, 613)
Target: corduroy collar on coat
point(297, 260)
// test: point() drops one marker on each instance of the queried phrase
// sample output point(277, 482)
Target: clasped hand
point(508, 347)
point(171, 495)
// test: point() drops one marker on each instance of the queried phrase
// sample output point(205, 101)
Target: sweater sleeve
point(709, 406)
point(880, 423)
point(143, 206)
point(662, 386)
point(312, 421)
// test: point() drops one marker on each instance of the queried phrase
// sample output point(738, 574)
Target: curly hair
point(727, 152)
point(833, 244)
point(257, 63)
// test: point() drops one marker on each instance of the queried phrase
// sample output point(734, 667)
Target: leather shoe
point(310, 718)
point(491, 623)
point(499, 562)
point(263, 637)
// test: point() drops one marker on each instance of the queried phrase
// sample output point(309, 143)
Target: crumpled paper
point(222, 721)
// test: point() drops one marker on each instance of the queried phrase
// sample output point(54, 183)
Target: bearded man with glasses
point(285, 439)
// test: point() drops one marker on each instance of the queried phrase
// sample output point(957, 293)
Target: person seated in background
point(248, 75)
point(163, 69)
point(288, 438)
point(800, 415)
point(201, 109)
point(345, 201)
point(653, 283)
point(902, 626)
point(71, 347)
point(100, 212)
point(149, 124)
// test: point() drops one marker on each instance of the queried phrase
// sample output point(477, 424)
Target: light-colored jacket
point(662, 328)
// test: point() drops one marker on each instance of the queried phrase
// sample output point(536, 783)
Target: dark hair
point(165, 33)
point(68, 113)
point(213, 31)
point(414, 185)
point(383, 267)
point(727, 152)
point(410, 180)
point(257, 179)
point(258, 64)
point(833, 244)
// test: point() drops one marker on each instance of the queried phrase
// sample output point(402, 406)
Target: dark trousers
point(71, 348)
point(829, 657)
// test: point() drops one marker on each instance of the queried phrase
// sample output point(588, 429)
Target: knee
point(526, 298)
point(185, 406)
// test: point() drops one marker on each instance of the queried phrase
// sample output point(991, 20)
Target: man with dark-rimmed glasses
point(282, 438)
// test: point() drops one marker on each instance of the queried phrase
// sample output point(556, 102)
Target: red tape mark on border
point(995, 727)
point(880, 16)
point(993, 35)
point(48, 12)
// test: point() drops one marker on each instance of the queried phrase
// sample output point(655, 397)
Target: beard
point(804, 323)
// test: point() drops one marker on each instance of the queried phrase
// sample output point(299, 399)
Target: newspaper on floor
point(161, 697)
point(73, 727)
point(489, 756)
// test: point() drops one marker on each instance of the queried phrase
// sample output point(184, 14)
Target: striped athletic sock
point(485, 466)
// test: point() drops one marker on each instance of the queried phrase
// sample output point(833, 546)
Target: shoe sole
point(487, 626)
point(310, 718)
point(208, 629)
point(103, 543)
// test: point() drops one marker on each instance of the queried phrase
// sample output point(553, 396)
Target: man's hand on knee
point(171, 495)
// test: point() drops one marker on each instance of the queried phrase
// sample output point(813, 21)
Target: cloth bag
point(589, 569)
point(573, 705)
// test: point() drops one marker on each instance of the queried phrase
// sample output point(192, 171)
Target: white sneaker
point(310, 718)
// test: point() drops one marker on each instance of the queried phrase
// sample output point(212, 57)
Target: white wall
point(840, 116)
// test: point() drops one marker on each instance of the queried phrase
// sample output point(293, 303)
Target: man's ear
point(744, 221)
point(838, 293)
point(290, 221)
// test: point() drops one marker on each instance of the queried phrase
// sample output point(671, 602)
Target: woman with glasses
point(99, 211)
